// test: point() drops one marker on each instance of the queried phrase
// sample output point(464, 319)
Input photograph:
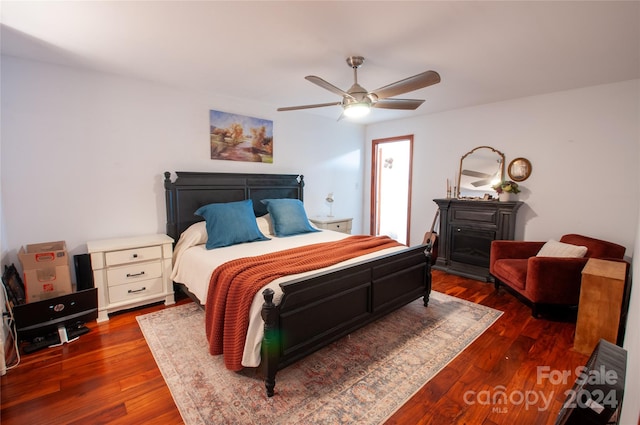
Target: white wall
point(583, 146)
point(83, 154)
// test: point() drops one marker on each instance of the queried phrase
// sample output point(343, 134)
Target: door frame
point(373, 210)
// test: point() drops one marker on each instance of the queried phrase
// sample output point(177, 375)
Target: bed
point(304, 312)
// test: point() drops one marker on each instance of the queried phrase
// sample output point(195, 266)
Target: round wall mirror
point(519, 169)
point(480, 169)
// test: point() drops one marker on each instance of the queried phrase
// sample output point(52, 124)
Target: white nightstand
point(131, 272)
point(333, 223)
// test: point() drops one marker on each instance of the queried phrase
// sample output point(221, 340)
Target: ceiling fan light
point(356, 110)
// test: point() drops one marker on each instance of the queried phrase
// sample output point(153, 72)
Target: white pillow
point(561, 249)
point(196, 234)
point(265, 224)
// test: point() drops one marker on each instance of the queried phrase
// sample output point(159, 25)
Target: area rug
point(363, 378)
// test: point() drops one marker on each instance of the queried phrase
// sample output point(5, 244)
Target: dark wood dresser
point(466, 231)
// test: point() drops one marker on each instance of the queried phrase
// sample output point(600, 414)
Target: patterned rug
point(362, 378)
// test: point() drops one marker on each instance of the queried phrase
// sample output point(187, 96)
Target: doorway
point(391, 166)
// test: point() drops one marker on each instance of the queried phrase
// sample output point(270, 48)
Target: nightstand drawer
point(133, 255)
point(135, 272)
point(336, 224)
point(134, 290)
point(339, 226)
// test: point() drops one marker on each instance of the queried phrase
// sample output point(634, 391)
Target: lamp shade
point(355, 110)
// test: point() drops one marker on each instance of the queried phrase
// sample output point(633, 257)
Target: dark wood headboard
point(191, 190)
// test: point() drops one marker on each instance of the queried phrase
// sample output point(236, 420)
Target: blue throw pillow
point(288, 216)
point(230, 223)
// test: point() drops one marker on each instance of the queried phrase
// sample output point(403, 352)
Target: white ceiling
point(261, 51)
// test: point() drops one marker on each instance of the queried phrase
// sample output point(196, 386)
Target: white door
point(391, 187)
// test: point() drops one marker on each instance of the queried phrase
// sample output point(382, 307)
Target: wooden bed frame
point(315, 310)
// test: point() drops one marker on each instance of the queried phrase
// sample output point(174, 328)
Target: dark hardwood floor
point(109, 375)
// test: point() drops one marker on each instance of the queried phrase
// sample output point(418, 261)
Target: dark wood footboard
point(317, 310)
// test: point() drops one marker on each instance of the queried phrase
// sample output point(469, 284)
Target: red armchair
point(545, 280)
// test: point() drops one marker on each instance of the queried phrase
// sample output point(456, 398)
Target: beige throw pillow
point(561, 249)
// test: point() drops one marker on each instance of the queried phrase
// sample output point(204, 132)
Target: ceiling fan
point(357, 101)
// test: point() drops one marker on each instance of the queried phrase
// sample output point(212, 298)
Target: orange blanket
point(234, 284)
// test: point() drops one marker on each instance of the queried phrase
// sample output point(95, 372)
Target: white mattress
point(195, 264)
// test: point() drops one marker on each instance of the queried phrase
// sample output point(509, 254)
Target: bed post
point(172, 229)
point(270, 345)
point(427, 253)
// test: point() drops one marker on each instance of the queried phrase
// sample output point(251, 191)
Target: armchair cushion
point(512, 270)
point(560, 249)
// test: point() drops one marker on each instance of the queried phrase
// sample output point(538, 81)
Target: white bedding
point(194, 264)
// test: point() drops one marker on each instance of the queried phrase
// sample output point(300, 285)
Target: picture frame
point(235, 137)
point(519, 169)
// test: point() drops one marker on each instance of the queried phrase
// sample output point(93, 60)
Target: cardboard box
point(42, 284)
point(46, 270)
point(48, 254)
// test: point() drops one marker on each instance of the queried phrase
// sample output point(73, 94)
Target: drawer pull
point(135, 255)
point(133, 291)
point(135, 274)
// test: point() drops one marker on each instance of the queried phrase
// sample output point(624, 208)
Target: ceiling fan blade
point(317, 105)
point(416, 82)
point(476, 174)
point(326, 85)
point(398, 103)
point(481, 183)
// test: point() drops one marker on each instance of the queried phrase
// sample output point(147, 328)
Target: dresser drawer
point(133, 290)
point(126, 256)
point(134, 272)
point(489, 217)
